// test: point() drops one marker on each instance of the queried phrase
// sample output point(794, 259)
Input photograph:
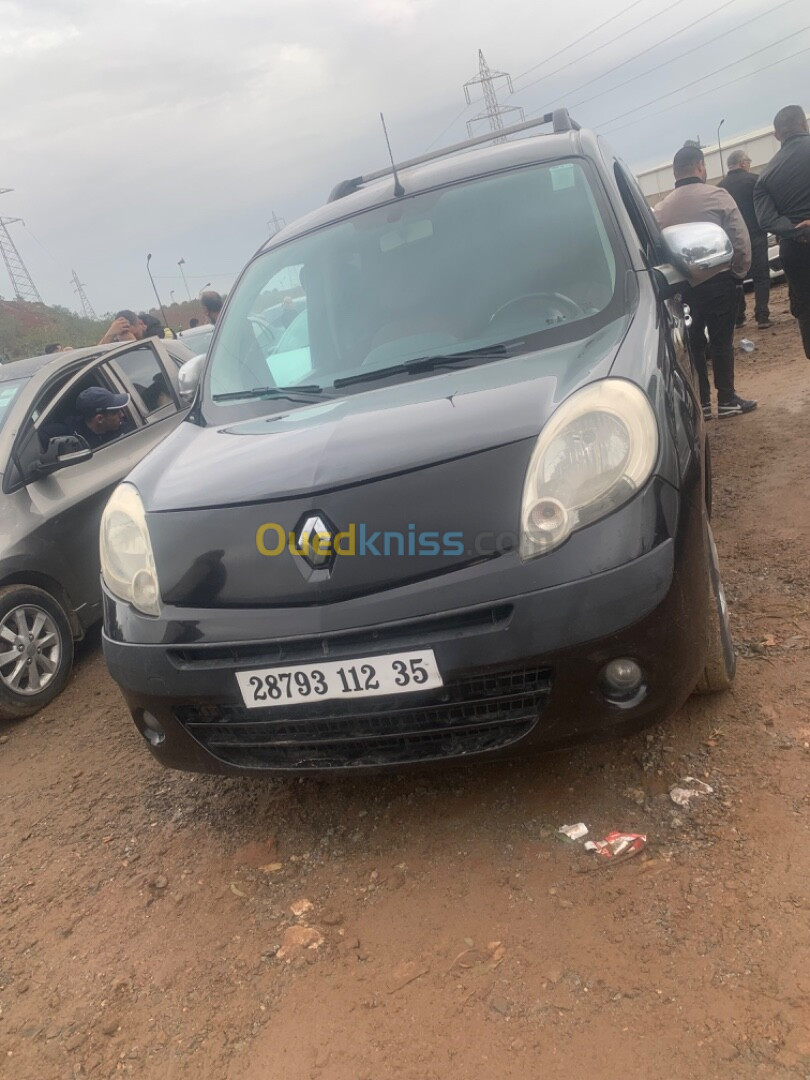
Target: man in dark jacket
point(740, 182)
point(100, 418)
point(782, 202)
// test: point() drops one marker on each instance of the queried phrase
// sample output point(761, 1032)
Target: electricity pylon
point(493, 111)
point(78, 287)
point(21, 282)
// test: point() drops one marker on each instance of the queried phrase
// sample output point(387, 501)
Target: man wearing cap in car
point(100, 418)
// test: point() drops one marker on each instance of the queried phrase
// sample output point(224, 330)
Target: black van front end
point(618, 647)
point(448, 502)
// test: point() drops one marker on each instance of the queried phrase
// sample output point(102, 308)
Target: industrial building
point(761, 145)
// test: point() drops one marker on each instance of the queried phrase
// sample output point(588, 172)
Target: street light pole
point(720, 148)
point(181, 264)
point(160, 305)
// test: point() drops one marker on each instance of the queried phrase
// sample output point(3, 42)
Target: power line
point(604, 45)
point(703, 78)
point(452, 124)
point(588, 33)
point(637, 56)
point(680, 56)
point(704, 93)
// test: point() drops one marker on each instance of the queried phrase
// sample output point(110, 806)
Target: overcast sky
point(177, 127)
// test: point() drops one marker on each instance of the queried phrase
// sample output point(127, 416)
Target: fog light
point(622, 677)
point(152, 729)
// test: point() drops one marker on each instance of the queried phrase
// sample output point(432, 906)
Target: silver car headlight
point(127, 562)
point(593, 455)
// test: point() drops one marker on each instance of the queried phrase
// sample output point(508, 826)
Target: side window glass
point(50, 392)
point(61, 418)
point(145, 373)
point(642, 217)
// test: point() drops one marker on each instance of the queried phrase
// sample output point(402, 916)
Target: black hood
point(445, 454)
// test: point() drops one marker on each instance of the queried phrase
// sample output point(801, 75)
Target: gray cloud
point(178, 126)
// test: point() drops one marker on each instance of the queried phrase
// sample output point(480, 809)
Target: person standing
point(740, 182)
point(714, 303)
point(211, 303)
point(782, 202)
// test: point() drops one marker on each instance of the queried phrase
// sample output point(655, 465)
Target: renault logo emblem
point(314, 541)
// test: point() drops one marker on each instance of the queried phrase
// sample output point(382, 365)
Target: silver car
point(53, 494)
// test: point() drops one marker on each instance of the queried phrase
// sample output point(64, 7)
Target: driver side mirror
point(697, 251)
point(62, 451)
point(188, 377)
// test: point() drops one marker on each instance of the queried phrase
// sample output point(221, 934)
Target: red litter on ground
point(618, 845)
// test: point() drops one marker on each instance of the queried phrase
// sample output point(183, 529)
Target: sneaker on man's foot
point(764, 324)
point(707, 412)
point(735, 406)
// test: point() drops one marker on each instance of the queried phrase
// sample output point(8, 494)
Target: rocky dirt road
point(150, 919)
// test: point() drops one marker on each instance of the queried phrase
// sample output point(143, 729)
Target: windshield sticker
point(562, 176)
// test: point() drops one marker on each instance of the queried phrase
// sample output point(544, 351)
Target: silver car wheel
point(32, 650)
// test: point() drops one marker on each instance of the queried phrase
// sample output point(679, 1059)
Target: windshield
point(521, 259)
point(8, 392)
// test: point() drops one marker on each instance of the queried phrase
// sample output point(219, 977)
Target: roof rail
point(559, 120)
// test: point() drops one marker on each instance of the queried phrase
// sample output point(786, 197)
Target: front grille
point(413, 633)
point(467, 716)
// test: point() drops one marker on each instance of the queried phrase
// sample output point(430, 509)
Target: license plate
point(369, 676)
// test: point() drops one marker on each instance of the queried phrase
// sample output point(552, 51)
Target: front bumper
point(523, 670)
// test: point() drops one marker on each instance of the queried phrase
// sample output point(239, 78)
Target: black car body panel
point(521, 643)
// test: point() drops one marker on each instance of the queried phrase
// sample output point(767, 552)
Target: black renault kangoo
point(444, 490)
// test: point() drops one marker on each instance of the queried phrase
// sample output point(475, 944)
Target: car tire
point(34, 625)
point(721, 661)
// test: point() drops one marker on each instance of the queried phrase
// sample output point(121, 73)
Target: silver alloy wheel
point(32, 650)
point(721, 592)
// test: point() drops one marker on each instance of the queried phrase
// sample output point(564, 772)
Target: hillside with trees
point(26, 329)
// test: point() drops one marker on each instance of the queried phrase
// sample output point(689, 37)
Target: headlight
point(594, 454)
point(127, 563)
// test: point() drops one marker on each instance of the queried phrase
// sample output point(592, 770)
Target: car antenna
point(399, 190)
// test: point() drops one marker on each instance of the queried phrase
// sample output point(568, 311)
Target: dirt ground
point(157, 924)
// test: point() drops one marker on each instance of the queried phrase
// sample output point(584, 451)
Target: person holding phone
point(126, 326)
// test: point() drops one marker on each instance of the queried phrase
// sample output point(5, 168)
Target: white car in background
point(774, 264)
point(197, 338)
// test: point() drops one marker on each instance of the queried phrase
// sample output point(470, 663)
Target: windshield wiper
point(421, 364)
point(288, 392)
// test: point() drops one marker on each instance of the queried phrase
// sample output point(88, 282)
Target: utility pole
point(493, 111)
point(181, 264)
point(24, 288)
point(276, 224)
point(78, 287)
